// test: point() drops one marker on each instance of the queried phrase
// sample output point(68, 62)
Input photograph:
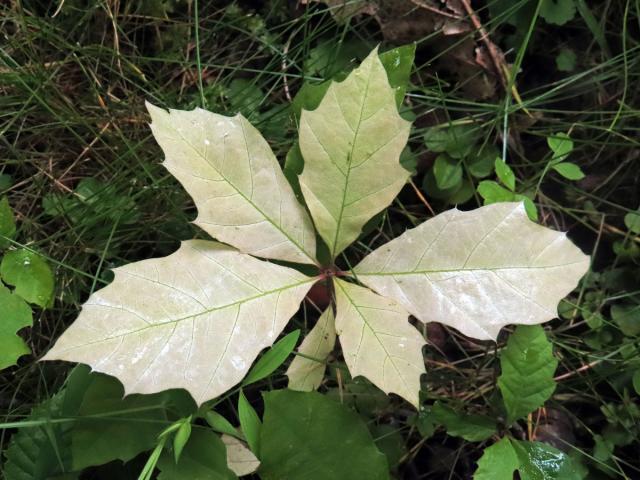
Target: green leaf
point(5, 182)
point(529, 206)
point(249, 423)
point(498, 462)
point(627, 317)
point(447, 172)
point(351, 145)
point(181, 438)
point(309, 97)
point(491, 192)
point(247, 202)
point(558, 12)
point(378, 342)
point(309, 436)
point(481, 164)
point(455, 140)
point(528, 365)
point(477, 271)
point(7, 223)
point(203, 457)
point(40, 452)
point(398, 63)
point(539, 461)
point(561, 145)
point(473, 428)
point(207, 310)
point(632, 221)
point(30, 274)
point(566, 60)
point(569, 170)
point(273, 358)
point(636, 381)
point(110, 427)
point(307, 368)
point(221, 424)
point(293, 165)
point(532, 460)
point(505, 174)
point(16, 314)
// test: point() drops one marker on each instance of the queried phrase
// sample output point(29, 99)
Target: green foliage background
point(81, 177)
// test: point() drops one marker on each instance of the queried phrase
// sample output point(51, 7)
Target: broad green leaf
point(492, 192)
point(114, 427)
point(40, 452)
point(455, 140)
point(447, 172)
point(398, 63)
point(16, 314)
point(505, 174)
point(566, 60)
point(242, 196)
point(240, 459)
point(473, 428)
point(7, 223)
point(482, 164)
point(540, 461)
point(272, 358)
point(477, 271)
point(498, 462)
point(221, 424)
point(569, 170)
point(351, 145)
point(632, 221)
point(206, 310)
point(561, 145)
point(532, 461)
point(307, 369)
point(528, 365)
point(627, 317)
point(30, 274)
point(378, 342)
point(558, 12)
point(308, 436)
point(204, 457)
point(5, 182)
point(249, 422)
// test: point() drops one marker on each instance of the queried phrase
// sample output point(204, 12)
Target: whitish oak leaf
point(378, 341)
point(351, 146)
point(242, 196)
point(240, 459)
point(477, 271)
point(307, 370)
point(195, 319)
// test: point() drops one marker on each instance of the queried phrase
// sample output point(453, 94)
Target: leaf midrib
point(479, 269)
point(181, 319)
point(248, 200)
point(349, 162)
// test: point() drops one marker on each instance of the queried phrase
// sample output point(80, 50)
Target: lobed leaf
point(477, 271)
point(351, 146)
point(195, 319)
point(242, 196)
point(16, 314)
point(378, 341)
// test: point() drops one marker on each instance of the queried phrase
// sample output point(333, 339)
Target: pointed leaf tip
point(206, 311)
point(246, 202)
point(477, 271)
